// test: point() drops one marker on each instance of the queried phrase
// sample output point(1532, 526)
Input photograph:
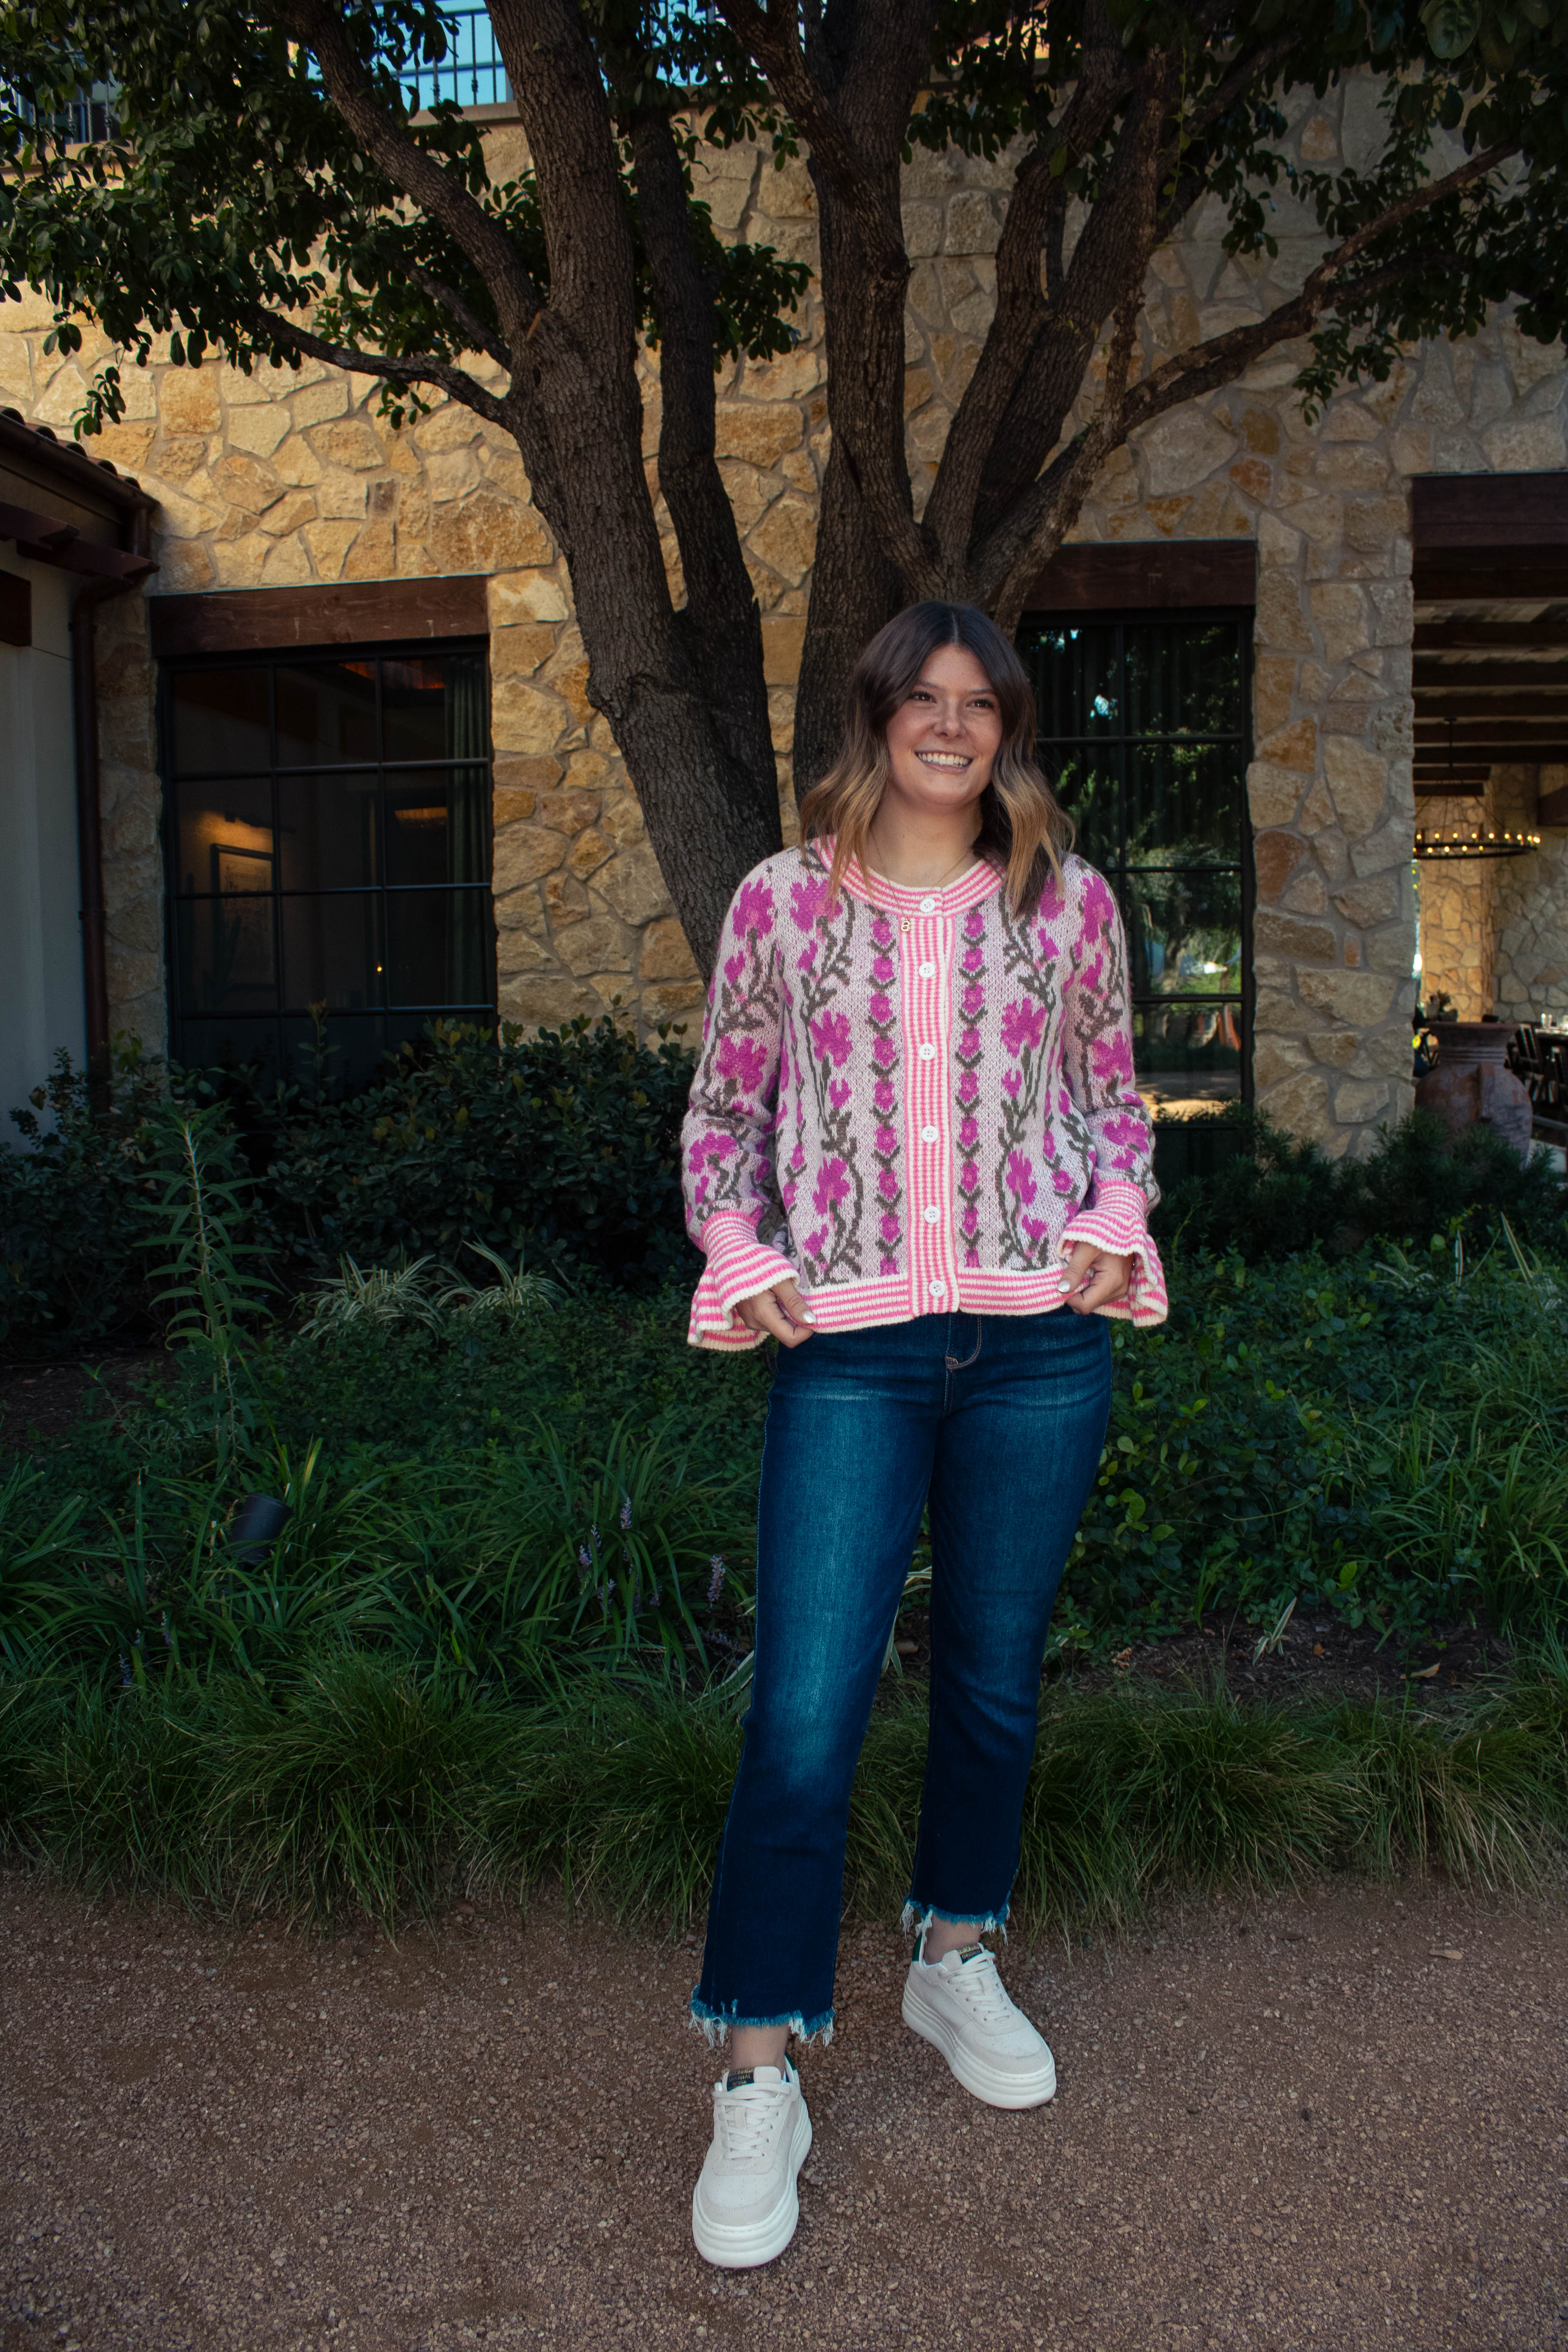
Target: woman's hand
point(1095, 1276)
point(780, 1313)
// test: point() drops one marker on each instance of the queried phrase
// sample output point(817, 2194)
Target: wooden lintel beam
point(1433, 636)
point(1518, 710)
point(1501, 755)
point(1488, 676)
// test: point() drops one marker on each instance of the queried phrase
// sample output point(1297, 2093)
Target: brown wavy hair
point(1024, 830)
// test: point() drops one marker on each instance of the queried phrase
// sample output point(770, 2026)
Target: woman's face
point(943, 737)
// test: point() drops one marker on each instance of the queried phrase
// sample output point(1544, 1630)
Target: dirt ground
point(1336, 2121)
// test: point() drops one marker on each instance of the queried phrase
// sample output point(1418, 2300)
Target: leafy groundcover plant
point(502, 1627)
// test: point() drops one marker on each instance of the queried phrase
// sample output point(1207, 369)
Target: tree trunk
point(694, 742)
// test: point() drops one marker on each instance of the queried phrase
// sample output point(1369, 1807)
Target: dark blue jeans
point(997, 1423)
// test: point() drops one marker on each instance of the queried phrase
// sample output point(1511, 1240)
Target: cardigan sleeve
point(1097, 1070)
point(727, 1159)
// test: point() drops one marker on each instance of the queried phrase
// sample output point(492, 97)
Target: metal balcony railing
point(472, 72)
point(89, 116)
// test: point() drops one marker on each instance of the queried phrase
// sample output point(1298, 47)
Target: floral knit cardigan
point(914, 1101)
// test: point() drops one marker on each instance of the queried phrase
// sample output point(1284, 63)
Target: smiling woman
point(912, 1142)
point(939, 693)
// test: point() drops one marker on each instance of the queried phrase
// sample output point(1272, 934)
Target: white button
point(937, 1288)
point(931, 1215)
point(928, 971)
point(928, 906)
point(928, 1135)
point(928, 1052)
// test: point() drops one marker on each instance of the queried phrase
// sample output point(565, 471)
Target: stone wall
point(279, 479)
point(1529, 900)
point(1457, 913)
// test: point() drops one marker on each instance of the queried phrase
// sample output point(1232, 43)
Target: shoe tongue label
point(740, 2078)
point(969, 1952)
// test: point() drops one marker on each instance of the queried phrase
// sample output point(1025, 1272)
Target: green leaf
point(1451, 25)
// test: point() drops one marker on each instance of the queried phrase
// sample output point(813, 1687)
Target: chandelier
point(1475, 845)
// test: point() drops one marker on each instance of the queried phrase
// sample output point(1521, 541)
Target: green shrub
point(564, 1144)
point(71, 1210)
point(1276, 1196)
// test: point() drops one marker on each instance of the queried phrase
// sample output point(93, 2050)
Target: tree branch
point(481, 337)
point(774, 42)
point(1034, 528)
point(455, 382)
point(1022, 313)
point(409, 167)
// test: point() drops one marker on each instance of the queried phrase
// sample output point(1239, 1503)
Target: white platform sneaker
point(960, 2005)
point(746, 2205)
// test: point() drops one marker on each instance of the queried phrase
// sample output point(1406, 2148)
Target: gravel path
point(1336, 2121)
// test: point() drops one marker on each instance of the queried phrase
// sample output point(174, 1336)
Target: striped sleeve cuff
point(738, 1266)
point(1119, 1222)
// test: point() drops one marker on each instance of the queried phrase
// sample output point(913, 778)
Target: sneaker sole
point(990, 2083)
point(742, 2247)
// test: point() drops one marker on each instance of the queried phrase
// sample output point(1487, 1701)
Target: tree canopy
point(267, 189)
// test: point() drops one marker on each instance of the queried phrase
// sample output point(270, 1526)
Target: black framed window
point(1144, 726)
point(327, 841)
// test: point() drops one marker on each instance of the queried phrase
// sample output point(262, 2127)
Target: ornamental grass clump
point(369, 1787)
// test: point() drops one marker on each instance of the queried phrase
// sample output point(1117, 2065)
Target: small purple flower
point(831, 1187)
point(830, 1035)
point(715, 1579)
point(882, 1095)
point(743, 1060)
point(883, 974)
point(754, 908)
point(734, 966)
point(625, 1511)
point(839, 1092)
point(807, 901)
point(968, 1134)
point(889, 1230)
point(1023, 1026)
point(1021, 1176)
point(886, 1139)
point(974, 998)
point(887, 1184)
point(124, 1675)
point(880, 1008)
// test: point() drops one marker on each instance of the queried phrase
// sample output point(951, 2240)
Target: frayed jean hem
point(917, 1917)
point(714, 2024)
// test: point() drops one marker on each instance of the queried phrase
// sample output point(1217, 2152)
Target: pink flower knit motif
point(1026, 1153)
point(831, 1246)
point(887, 1146)
point(972, 1005)
point(1102, 1033)
point(742, 1065)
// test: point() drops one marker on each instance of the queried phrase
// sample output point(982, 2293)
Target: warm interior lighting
point(1475, 845)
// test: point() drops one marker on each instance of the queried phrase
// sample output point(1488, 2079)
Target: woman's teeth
point(944, 758)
